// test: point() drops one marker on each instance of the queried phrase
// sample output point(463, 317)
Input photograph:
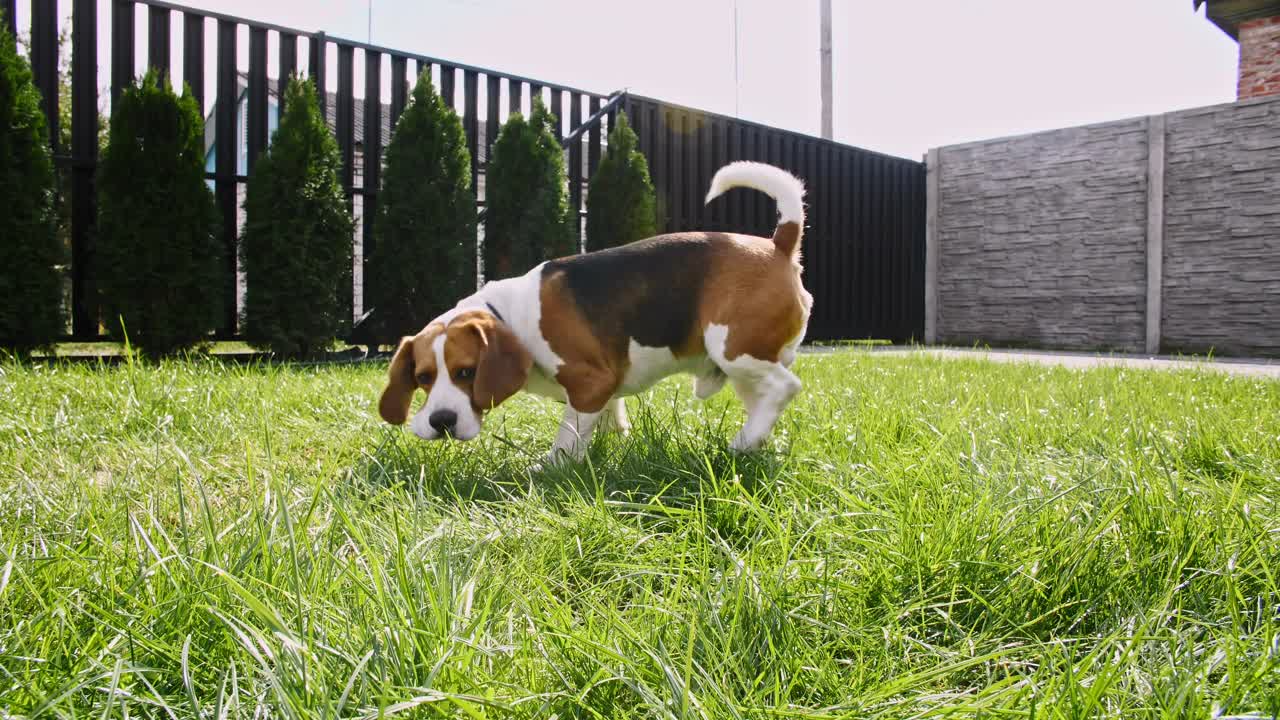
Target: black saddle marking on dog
point(648, 290)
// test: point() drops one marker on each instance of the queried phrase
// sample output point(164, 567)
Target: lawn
point(929, 537)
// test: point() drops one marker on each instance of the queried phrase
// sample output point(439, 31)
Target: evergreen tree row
point(160, 263)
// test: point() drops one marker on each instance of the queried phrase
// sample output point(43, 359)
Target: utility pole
point(735, 59)
point(824, 60)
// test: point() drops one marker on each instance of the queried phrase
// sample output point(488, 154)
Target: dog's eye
point(465, 373)
point(424, 378)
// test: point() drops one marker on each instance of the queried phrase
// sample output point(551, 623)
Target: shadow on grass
point(673, 457)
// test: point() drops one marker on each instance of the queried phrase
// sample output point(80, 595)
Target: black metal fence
point(864, 244)
point(864, 240)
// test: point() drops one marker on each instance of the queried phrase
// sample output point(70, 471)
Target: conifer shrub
point(424, 255)
point(159, 257)
point(527, 217)
point(297, 242)
point(31, 313)
point(620, 199)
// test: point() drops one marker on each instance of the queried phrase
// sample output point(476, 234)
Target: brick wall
point(1259, 58)
point(1042, 240)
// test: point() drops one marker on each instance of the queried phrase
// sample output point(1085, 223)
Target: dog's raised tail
point(777, 183)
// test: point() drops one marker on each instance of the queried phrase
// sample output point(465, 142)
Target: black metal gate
point(864, 240)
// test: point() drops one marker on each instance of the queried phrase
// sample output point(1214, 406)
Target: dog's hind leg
point(764, 386)
point(765, 389)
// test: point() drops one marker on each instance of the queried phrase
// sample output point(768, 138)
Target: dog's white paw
point(623, 430)
point(556, 458)
point(745, 445)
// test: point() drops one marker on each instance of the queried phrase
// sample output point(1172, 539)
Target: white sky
point(907, 75)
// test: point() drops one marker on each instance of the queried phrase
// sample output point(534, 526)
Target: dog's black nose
point(442, 421)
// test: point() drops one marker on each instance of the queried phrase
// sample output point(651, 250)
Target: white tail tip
point(782, 186)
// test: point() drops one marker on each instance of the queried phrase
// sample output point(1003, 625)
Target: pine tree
point(296, 248)
point(159, 257)
point(424, 256)
point(620, 199)
point(30, 284)
point(527, 218)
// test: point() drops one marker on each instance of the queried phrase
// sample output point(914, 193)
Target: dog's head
point(467, 366)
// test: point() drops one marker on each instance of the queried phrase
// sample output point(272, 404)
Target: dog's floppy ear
point(503, 367)
point(396, 397)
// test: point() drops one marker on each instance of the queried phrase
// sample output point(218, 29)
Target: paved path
point(1236, 366)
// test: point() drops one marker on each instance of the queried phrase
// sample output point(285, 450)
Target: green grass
point(930, 538)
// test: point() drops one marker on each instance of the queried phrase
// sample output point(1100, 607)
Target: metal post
point(84, 160)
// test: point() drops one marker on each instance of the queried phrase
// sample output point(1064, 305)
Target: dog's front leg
point(575, 435)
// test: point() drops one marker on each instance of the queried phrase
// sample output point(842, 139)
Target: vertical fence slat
point(317, 53)
point(886, 235)
point(10, 21)
point(256, 122)
point(662, 179)
point(903, 248)
point(734, 151)
point(158, 57)
point(193, 56)
point(887, 242)
point(447, 73)
point(227, 163)
point(514, 87)
point(676, 168)
point(593, 139)
point(344, 128)
point(575, 112)
point(820, 180)
point(287, 68)
point(851, 207)
point(372, 161)
point(750, 151)
point(84, 158)
point(706, 160)
point(920, 213)
point(713, 214)
point(575, 170)
point(493, 99)
point(841, 221)
point(399, 88)
point(888, 249)
point(861, 219)
point(557, 111)
point(121, 47)
point(810, 172)
point(875, 243)
point(44, 62)
point(725, 155)
point(344, 114)
point(470, 121)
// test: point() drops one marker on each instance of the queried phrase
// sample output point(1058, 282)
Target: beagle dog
point(588, 330)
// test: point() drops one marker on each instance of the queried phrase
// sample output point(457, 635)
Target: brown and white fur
point(590, 329)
